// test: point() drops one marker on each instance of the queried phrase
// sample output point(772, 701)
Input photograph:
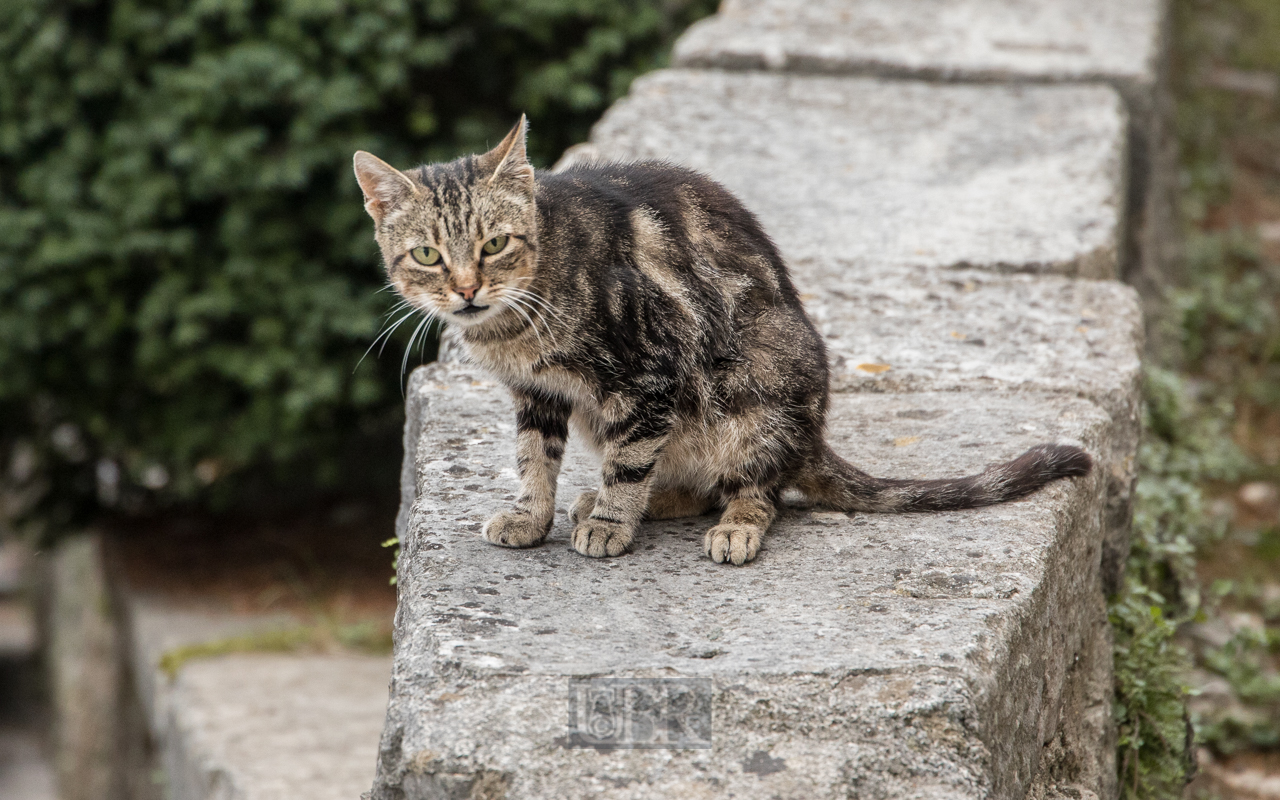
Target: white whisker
point(534, 297)
point(528, 302)
point(395, 308)
point(404, 362)
point(516, 308)
point(385, 335)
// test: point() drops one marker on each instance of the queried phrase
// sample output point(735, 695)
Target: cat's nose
point(468, 292)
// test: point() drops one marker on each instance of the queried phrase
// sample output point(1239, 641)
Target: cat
point(643, 304)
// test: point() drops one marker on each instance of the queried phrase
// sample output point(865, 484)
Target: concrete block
point(914, 329)
point(966, 329)
point(988, 40)
point(17, 630)
point(82, 657)
point(275, 727)
point(909, 656)
point(252, 726)
point(888, 174)
point(24, 775)
point(1123, 43)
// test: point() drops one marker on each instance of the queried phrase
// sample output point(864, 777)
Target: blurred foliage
point(1186, 444)
point(1225, 316)
point(187, 276)
point(1219, 116)
point(1245, 662)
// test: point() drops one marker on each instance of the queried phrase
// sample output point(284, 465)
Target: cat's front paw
point(736, 544)
point(515, 529)
point(598, 538)
point(583, 506)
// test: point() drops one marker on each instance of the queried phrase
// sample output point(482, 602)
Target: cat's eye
point(495, 245)
point(426, 256)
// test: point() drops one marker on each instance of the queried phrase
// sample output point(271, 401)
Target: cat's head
point(458, 239)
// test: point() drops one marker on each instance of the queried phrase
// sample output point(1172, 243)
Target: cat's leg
point(747, 515)
point(542, 426)
point(677, 501)
point(627, 473)
point(582, 506)
point(670, 503)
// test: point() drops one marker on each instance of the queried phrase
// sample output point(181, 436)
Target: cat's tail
point(834, 482)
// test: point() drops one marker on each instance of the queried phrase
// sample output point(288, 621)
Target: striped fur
point(643, 306)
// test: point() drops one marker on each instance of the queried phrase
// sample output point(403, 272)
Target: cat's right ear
point(383, 185)
point(508, 160)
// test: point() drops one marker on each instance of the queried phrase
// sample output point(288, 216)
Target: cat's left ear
point(383, 185)
point(508, 160)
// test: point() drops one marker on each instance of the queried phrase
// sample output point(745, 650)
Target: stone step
point(274, 726)
point(1122, 43)
point(170, 684)
point(17, 629)
point(988, 40)
point(231, 718)
point(25, 773)
point(966, 329)
point(940, 235)
point(25, 769)
point(919, 655)
point(882, 174)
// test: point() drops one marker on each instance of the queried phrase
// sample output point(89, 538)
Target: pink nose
point(468, 292)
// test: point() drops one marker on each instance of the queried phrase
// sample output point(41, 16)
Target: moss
point(323, 636)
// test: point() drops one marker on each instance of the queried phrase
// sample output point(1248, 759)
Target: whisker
point(537, 305)
point(519, 310)
point(516, 296)
point(397, 325)
point(395, 308)
point(404, 362)
point(422, 346)
point(385, 335)
point(535, 297)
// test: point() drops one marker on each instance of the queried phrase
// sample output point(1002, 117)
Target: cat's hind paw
point(736, 544)
point(515, 529)
point(583, 506)
point(599, 538)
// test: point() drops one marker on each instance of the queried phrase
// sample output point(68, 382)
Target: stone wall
point(957, 188)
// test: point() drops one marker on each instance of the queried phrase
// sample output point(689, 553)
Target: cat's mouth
point(467, 311)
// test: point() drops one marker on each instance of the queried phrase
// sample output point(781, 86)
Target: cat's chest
point(516, 369)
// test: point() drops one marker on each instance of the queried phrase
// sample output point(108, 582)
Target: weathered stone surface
point(907, 656)
point(1048, 40)
point(154, 627)
point(965, 329)
point(888, 173)
point(84, 671)
point(917, 330)
point(24, 775)
point(17, 629)
point(253, 726)
point(1119, 42)
point(276, 727)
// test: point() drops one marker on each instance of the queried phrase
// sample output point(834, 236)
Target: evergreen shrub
point(187, 275)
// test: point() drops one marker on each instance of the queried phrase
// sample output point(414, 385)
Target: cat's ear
point(383, 185)
point(508, 160)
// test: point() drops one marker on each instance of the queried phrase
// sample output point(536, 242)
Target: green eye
point(426, 256)
point(495, 244)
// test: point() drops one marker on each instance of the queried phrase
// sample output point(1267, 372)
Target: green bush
point(1186, 444)
point(187, 276)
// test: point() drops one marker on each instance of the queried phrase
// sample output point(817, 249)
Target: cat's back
point(655, 210)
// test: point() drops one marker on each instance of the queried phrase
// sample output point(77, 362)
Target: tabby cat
point(644, 304)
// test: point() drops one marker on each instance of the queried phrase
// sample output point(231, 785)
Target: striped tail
point(834, 482)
